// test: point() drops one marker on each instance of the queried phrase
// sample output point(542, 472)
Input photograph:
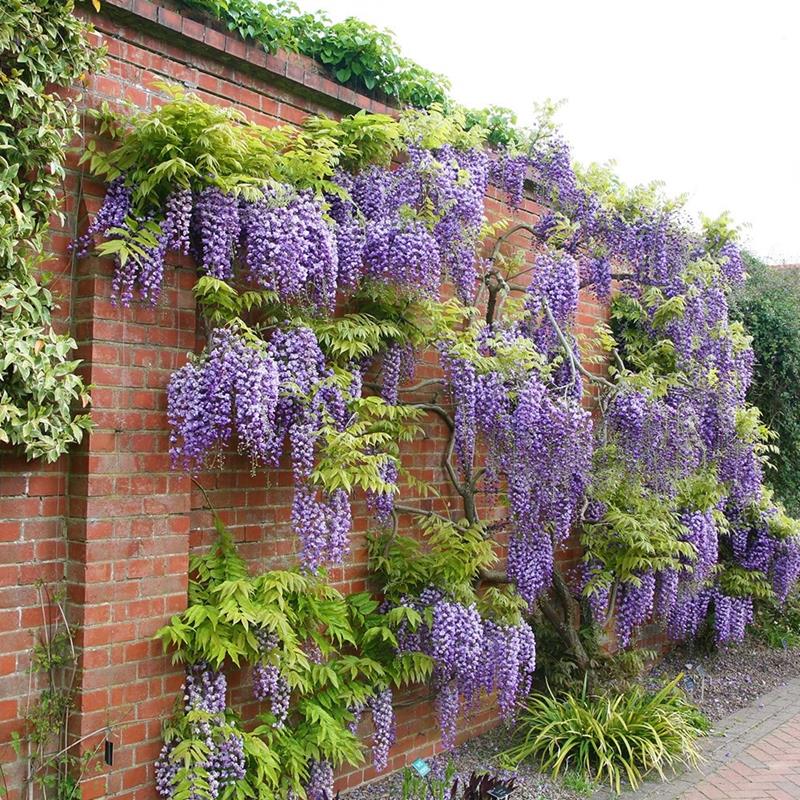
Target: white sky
point(702, 94)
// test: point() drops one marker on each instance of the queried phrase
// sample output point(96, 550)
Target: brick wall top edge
point(196, 31)
point(199, 32)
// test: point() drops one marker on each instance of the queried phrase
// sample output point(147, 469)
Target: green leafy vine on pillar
point(43, 48)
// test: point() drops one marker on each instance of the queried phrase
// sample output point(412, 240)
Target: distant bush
point(768, 305)
point(779, 625)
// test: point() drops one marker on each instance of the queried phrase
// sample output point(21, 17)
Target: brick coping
point(298, 73)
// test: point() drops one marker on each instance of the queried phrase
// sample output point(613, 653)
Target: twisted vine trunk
point(563, 619)
point(559, 607)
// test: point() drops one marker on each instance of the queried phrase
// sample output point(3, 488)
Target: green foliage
point(781, 525)
point(779, 625)
point(186, 142)
point(450, 557)
point(353, 457)
point(356, 656)
point(767, 308)
point(651, 358)
point(500, 125)
point(578, 783)
point(557, 668)
point(43, 47)
point(432, 787)
point(355, 52)
point(631, 202)
point(639, 530)
point(737, 581)
point(610, 737)
point(556, 665)
point(417, 321)
point(362, 138)
point(500, 130)
point(356, 336)
point(39, 383)
point(719, 231)
point(274, 25)
point(227, 606)
point(220, 303)
point(437, 126)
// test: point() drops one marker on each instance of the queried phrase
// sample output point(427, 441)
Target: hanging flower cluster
point(412, 226)
point(289, 248)
point(538, 440)
point(381, 707)
point(232, 385)
point(268, 682)
point(320, 781)
point(383, 721)
point(282, 241)
point(471, 655)
point(204, 692)
point(269, 396)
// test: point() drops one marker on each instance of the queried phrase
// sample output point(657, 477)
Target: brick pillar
point(127, 549)
point(31, 550)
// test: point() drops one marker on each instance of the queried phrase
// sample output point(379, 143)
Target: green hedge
point(769, 307)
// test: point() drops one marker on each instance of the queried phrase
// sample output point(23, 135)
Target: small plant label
point(422, 768)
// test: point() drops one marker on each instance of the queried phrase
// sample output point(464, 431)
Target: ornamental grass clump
point(610, 737)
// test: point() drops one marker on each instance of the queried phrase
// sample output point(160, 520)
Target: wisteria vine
point(654, 458)
point(470, 655)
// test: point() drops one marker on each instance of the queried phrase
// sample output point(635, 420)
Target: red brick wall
point(110, 519)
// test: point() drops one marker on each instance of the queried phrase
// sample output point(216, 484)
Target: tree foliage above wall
point(354, 51)
point(767, 306)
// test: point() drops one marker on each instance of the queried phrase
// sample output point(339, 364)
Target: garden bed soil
point(478, 754)
point(731, 678)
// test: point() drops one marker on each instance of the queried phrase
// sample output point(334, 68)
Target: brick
point(192, 29)
point(10, 531)
point(93, 788)
point(169, 19)
point(214, 39)
point(145, 9)
point(235, 47)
